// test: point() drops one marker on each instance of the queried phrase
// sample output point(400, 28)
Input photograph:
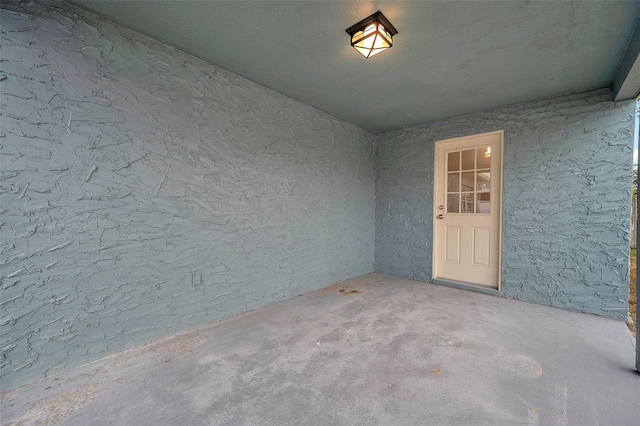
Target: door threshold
point(478, 288)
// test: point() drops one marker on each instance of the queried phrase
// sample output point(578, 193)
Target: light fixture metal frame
point(362, 25)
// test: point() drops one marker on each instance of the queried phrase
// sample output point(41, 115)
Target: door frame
point(436, 181)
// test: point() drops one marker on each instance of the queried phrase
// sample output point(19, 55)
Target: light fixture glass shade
point(372, 35)
point(373, 40)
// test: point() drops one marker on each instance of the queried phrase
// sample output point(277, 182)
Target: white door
point(467, 209)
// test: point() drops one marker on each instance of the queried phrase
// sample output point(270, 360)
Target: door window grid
point(469, 181)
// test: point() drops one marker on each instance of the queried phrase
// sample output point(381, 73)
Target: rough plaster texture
point(567, 199)
point(144, 191)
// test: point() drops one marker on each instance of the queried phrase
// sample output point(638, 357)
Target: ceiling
point(449, 58)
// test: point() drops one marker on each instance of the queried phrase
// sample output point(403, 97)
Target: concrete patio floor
point(372, 350)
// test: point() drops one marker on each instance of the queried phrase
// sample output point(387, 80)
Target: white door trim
point(436, 181)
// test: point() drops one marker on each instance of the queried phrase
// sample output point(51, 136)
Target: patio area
point(372, 350)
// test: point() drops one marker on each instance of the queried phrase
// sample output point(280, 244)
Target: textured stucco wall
point(567, 199)
point(144, 191)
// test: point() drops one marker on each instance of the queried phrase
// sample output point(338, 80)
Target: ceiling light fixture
point(372, 35)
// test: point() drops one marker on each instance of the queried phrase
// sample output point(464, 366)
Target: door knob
point(440, 216)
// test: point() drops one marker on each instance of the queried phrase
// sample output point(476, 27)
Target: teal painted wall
point(567, 199)
point(145, 192)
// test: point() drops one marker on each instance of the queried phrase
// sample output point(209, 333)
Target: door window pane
point(483, 204)
point(453, 163)
point(453, 182)
point(483, 180)
point(483, 157)
point(467, 203)
point(468, 159)
point(467, 181)
point(453, 204)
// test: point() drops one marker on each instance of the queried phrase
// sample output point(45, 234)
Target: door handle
point(440, 216)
